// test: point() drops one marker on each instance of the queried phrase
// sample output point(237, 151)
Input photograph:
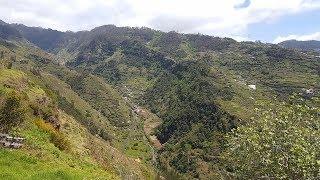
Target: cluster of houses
point(8, 141)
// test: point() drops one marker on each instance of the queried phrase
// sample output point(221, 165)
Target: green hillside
point(136, 103)
point(29, 118)
point(102, 133)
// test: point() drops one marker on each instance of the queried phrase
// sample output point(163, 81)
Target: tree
point(282, 142)
point(12, 113)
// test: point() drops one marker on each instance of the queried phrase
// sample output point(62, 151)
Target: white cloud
point(213, 17)
point(306, 37)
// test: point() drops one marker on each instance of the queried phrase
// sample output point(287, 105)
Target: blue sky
point(265, 20)
point(304, 23)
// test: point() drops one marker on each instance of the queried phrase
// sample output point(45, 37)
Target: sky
point(264, 20)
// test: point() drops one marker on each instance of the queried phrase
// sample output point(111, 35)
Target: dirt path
point(150, 124)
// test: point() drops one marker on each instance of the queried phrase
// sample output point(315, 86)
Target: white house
point(251, 86)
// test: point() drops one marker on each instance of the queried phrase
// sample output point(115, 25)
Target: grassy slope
point(39, 158)
point(124, 139)
point(128, 155)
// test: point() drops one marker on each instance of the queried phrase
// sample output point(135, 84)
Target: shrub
point(56, 137)
point(280, 143)
point(12, 113)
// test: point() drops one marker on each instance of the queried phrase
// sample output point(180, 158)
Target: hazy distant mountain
point(303, 45)
point(8, 33)
point(47, 39)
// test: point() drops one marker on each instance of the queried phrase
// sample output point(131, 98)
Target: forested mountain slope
point(105, 49)
point(98, 135)
point(208, 91)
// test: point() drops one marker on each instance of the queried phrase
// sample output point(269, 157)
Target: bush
point(280, 143)
point(12, 113)
point(56, 137)
point(60, 141)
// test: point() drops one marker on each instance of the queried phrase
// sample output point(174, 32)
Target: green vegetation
point(20, 165)
point(47, 152)
point(310, 45)
point(43, 100)
point(281, 142)
point(57, 138)
point(12, 113)
point(40, 158)
point(193, 123)
point(84, 119)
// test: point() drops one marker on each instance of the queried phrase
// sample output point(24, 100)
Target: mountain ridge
point(199, 86)
point(311, 45)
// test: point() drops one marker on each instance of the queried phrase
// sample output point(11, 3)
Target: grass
point(138, 149)
point(56, 137)
point(7, 74)
point(40, 159)
point(89, 157)
point(18, 164)
point(109, 157)
point(35, 93)
point(13, 78)
point(126, 136)
point(45, 154)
